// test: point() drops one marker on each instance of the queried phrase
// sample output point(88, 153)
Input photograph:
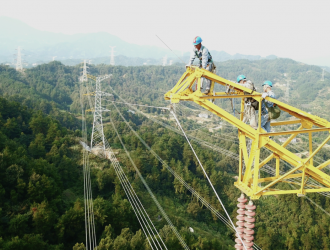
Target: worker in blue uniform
point(265, 118)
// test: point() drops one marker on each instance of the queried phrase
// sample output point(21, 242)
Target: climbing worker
point(250, 104)
point(266, 105)
point(205, 61)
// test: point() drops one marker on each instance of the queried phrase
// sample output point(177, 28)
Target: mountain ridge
point(42, 46)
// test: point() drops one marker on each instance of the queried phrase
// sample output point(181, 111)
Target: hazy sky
point(291, 28)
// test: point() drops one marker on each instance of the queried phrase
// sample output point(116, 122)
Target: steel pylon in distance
point(97, 139)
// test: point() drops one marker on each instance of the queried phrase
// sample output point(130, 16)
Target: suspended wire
point(170, 49)
point(182, 181)
point(150, 192)
point(133, 200)
point(162, 162)
point(272, 172)
point(266, 167)
point(88, 200)
point(269, 170)
point(207, 177)
point(138, 212)
point(140, 105)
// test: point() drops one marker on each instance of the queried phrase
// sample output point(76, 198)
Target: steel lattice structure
point(83, 78)
point(249, 181)
point(97, 139)
point(19, 65)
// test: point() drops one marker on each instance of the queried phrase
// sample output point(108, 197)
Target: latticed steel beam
point(97, 139)
point(249, 181)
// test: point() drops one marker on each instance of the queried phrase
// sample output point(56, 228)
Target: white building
point(201, 115)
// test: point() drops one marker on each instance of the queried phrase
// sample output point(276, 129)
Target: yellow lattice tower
point(248, 180)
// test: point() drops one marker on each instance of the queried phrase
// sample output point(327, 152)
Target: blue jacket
point(265, 103)
point(203, 55)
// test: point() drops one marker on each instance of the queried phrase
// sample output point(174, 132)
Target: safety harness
point(201, 57)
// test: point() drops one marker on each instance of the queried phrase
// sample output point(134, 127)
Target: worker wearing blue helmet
point(265, 118)
point(205, 61)
point(250, 105)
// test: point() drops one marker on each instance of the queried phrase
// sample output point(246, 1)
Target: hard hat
point(241, 77)
point(197, 40)
point(269, 83)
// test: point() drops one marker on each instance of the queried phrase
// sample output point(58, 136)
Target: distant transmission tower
point(83, 78)
point(287, 92)
point(97, 139)
point(112, 59)
point(322, 78)
point(164, 60)
point(19, 65)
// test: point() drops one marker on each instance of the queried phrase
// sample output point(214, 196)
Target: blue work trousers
point(265, 122)
point(206, 83)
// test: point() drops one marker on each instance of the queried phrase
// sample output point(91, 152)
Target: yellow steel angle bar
point(296, 131)
point(283, 145)
point(91, 77)
point(281, 123)
point(301, 168)
point(323, 165)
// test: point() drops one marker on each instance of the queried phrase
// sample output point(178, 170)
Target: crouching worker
point(250, 105)
point(269, 110)
point(205, 61)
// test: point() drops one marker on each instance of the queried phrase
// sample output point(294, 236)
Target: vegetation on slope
point(41, 186)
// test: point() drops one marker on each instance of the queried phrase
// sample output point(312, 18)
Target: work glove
point(264, 95)
point(188, 65)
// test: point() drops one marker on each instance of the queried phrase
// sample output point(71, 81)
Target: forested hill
point(54, 85)
point(41, 188)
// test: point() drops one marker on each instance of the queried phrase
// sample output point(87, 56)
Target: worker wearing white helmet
point(205, 61)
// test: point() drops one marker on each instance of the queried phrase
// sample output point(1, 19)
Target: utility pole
point(83, 78)
point(19, 65)
point(287, 92)
point(112, 59)
point(322, 78)
point(164, 60)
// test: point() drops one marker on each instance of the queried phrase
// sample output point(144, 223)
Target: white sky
point(290, 28)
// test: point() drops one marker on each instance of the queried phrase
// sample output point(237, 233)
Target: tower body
point(83, 78)
point(97, 140)
point(112, 58)
point(165, 60)
point(19, 65)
